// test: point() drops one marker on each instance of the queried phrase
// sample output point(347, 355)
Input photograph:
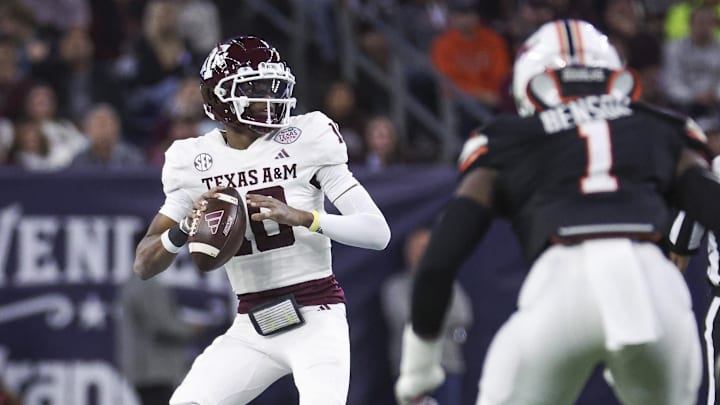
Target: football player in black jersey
point(588, 177)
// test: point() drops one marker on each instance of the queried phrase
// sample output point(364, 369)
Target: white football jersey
point(283, 165)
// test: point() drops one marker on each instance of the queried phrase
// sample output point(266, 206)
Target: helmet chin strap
point(243, 128)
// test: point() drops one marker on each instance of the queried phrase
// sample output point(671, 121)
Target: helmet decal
point(216, 60)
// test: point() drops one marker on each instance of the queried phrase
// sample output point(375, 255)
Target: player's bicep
point(478, 185)
point(690, 158)
point(160, 224)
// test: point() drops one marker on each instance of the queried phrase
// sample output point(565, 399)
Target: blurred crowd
point(113, 83)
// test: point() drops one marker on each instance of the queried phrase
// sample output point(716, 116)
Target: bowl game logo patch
point(287, 135)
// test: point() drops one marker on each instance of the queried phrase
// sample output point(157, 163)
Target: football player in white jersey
point(291, 314)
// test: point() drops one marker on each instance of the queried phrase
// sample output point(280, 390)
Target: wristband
point(173, 239)
point(315, 226)
point(177, 235)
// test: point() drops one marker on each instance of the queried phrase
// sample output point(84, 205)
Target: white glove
point(420, 370)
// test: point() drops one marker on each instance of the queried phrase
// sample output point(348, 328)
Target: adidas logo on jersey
point(282, 154)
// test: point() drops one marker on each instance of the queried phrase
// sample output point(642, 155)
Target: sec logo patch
point(287, 135)
point(203, 162)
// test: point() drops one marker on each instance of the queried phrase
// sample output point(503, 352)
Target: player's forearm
point(364, 230)
point(151, 258)
point(453, 239)
point(361, 224)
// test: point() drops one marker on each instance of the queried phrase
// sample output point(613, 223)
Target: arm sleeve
point(461, 227)
point(361, 224)
point(685, 235)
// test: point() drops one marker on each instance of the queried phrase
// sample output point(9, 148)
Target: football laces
point(195, 223)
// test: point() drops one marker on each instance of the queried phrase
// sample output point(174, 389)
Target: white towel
point(622, 293)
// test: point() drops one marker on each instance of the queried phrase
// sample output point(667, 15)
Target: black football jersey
point(595, 167)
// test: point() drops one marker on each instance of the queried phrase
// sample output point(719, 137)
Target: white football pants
point(240, 364)
point(609, 301)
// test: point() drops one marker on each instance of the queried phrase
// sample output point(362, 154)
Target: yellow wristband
point(316, 221)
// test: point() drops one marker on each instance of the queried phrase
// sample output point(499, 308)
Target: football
point(219, 231)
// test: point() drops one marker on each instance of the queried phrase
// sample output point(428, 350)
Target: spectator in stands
point(187, 102)
point(372, 96)
point(395, 301)
point(182, 117)
point(421, 21)
point(80, 82)
point(340, 105)
point(153, 342)
point(623, 24)
point(60, 15)
point(472, 55)
point(522, 21)
point(179, 127)
point(584, 9)
point(382, 143)
point(34, 43)
point(161, 52)
point(645, 57)
point(13, 84)
point(691, 66)
point(526, 18)
point(321, 14)
point(199, 23)
point(677, 19)
point(64, 140)
point(154, 69)
point(106, 148)
point(30, 149)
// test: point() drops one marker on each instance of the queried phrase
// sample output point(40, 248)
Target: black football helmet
point(245, 83)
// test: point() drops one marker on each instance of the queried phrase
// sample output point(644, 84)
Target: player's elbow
point(141, 269)
point(144, 266)
point(382, 238)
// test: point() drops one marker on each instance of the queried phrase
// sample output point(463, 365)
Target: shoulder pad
point(693, 135)
point(694, 131)
point(320, 138)
point(473, 148)
point(671, 116)
point(173, 170)
point(177, 150)
point(505, 123)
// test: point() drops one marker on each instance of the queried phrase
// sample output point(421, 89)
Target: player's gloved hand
point(420, 370)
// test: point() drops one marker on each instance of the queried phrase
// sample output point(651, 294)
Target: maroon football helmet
point(245, 83)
